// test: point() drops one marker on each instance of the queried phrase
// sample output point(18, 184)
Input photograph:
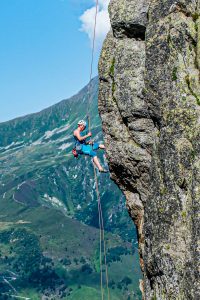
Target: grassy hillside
point(49, 236)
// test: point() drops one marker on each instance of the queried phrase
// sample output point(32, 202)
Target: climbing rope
point(92, 61)
point(102, 236)
point(101, 221)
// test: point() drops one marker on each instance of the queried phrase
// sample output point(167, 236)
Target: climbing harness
point(102, 243)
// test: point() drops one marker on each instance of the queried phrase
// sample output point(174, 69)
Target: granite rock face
point(129, 18)
point(149, 102)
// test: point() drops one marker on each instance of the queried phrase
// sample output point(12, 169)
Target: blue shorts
point(89, 149)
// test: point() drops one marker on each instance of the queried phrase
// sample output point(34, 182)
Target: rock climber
point(87, 148)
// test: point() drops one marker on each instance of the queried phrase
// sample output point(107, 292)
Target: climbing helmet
point(82, 122)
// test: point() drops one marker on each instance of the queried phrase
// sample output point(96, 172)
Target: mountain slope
point(48, 203)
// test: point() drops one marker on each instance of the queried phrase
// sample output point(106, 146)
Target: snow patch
point(7, 147)
point(37, 142)
point(78, 206)
point(11, 145)
point(110, 217)
point(63, 139)
point(63, 128)
point(54, 201)
point(65, 146)
point(48, 134)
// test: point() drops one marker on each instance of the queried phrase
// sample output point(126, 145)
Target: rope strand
point(101, 222)
point(105, 253)
point(102, 231)
point(100, 240)
point(92, 58)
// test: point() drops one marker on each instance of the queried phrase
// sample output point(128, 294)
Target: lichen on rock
point(149, 102)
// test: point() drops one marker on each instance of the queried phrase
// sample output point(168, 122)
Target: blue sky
point(44, 56)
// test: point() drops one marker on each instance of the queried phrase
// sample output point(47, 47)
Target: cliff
point(149, 102)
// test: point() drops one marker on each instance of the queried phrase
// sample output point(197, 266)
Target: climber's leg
point(97, 163)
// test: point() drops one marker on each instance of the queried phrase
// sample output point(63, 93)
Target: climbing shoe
point(103, 171)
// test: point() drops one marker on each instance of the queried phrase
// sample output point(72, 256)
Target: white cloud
point(103, 22)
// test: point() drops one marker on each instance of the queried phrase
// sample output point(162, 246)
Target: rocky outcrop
point(149, 102)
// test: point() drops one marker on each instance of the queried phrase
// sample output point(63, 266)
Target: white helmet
point(82, 122)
